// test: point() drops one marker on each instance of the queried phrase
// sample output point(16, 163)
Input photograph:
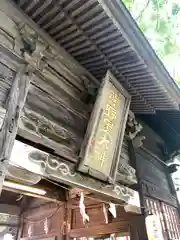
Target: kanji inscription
point(106, 129)
point(102, 143)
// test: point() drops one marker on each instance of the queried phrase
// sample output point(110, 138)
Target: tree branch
point(143, 10)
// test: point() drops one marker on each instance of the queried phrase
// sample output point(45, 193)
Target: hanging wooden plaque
point(101, 148)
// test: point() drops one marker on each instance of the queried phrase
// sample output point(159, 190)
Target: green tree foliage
point(159, 20)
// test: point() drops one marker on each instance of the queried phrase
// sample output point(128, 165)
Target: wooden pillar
point(14, 105)
point(68, 220)
point(135, 226)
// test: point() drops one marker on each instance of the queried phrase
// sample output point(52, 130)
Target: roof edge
point(123, 20)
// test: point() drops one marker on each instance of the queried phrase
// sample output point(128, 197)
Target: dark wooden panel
point(137, 228)
point(34, 220)
point(95, 214)
point(59, 88)
point(121, 215)
point(151, 170)
point(153, 177)
point(54, 118)
point(36, 202)
point(155, 191)
point(48, 105)
point(153, 141)
point(9, 198)
point(97, 225)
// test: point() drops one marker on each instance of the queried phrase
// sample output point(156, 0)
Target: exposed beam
point(59, 170)
point(53, 193)
point(100, 230)
point(48, 198)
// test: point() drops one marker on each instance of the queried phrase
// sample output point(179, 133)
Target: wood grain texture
point(101, 148)
point(54, 116)
point(6, 79)
point(153, 177)
point(157, 192)
point(151, 170)
point(100, 230)
point(15, 102)
point(125, 172)
point(57, 86)
point(35, 219)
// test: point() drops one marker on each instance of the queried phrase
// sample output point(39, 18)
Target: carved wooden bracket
point(33, 48)
point(126, 174)
point(133, 130)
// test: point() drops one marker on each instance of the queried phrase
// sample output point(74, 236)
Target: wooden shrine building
point(89, 118)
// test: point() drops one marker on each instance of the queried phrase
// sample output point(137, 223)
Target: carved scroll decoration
point(52, 163)
point(46, 130)
point(56, 169)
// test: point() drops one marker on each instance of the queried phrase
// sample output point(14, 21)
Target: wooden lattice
point(168, 216)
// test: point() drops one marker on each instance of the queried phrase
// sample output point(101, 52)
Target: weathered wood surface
point(153, 177)
point(153, 142)
point(126, 173)
point(6, 79)
point(62, 171)
point(55, 112)
point(74, 228)
point(155, 191)
point(46, 217)
point(54, 118)
point(99, 230)
point(100, 152)
point(15, 103)
point(99, 225)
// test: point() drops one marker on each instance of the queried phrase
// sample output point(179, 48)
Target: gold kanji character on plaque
point(114, 98)
point(110, 112)
point(108, 125)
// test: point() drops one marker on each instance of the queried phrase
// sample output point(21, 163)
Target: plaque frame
point(84, 164)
